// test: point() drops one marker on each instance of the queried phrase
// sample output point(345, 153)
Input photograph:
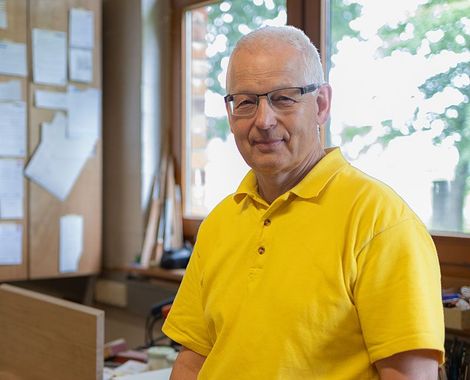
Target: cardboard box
point(457, 319)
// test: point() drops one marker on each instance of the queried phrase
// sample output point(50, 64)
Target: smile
point(267, 145)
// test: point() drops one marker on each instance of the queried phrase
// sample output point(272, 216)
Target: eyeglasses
point(280, 100)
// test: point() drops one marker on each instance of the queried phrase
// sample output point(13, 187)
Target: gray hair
point(294, 37)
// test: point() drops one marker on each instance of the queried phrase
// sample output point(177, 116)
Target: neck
point(271, 186)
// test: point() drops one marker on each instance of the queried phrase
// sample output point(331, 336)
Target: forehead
point(264, 69)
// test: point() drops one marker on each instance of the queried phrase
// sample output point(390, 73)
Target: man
point(311, 270)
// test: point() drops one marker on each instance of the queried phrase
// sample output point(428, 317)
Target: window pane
point(213, 166)
point(400, 72)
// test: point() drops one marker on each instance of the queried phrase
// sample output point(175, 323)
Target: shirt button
point(261, 250)
point(267, 222)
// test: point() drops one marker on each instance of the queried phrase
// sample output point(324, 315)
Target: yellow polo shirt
point(335, 274)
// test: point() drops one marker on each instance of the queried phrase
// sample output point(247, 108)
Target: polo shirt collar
point(310, 186)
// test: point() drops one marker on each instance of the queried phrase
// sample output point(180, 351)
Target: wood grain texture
point(46, 338)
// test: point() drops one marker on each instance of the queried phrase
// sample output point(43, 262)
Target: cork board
point(42, 210)
point(45, 210)
point(17, 32)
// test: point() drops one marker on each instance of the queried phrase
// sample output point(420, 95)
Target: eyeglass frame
point(303, 90)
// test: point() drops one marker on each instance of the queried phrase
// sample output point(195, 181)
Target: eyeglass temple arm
point(309, 88)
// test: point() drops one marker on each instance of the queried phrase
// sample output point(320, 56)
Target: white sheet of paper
point(84, 113)
point(49, 57)
point(10, 91)
point(81, 65)
point(11, 236)
point(58, 160)
point(13, 129)
point(13, 59)
point(11, 208)
point(81, 28)
point(3, 14)
point(50, 100)
point(71, 242)
point(11, 189)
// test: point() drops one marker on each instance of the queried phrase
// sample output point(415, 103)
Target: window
point(400, 73)
point(212, 166)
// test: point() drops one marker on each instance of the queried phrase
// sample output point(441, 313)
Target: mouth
point(266, 145)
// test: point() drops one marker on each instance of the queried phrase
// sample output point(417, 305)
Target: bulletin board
point(16, 32)
point(44, 210)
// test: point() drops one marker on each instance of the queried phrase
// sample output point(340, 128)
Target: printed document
point(13, 129)
point(11, 189)
point(71, 242)
point(10, 91)
point(51, 100)
point(84, 113)
point(81, 65)
point(13, 59)
point(49, 57)
point(11, 236)
point(81, 28)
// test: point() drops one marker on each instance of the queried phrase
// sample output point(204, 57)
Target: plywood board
point(47, 338)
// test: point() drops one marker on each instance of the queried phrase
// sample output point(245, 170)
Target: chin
point(266, 166)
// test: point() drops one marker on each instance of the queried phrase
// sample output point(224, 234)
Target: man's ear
point(323, 103)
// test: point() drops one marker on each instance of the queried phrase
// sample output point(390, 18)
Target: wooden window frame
point(310, 16)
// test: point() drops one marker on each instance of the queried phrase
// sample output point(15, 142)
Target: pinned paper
point(11, 237)
point(50, 100)
point(13, 129)
point(49, 57)
point(11, 189)
point(81, 28)
point(10, 91)
point(71, 242)
point(84, 113)
point(58, 160)
point(3, 14)
point(81, 65)
point(13, 59)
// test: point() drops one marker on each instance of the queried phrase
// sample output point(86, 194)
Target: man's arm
point(187, 365)
point(409, 365)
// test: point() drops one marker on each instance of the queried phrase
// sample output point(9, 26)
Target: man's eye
point(245, 103)
point(283, 100)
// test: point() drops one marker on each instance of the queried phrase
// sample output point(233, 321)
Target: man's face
point(273, 142)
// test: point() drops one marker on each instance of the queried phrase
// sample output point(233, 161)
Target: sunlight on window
point(400, 76)
point(213, 166)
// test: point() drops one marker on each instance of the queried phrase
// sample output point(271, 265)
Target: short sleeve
point(185, 323)
point(398, 292)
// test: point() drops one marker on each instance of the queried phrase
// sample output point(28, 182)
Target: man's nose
point(265, 115)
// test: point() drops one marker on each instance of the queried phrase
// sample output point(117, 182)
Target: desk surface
point(161, 374)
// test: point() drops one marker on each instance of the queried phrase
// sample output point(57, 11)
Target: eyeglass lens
point(280, 100)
